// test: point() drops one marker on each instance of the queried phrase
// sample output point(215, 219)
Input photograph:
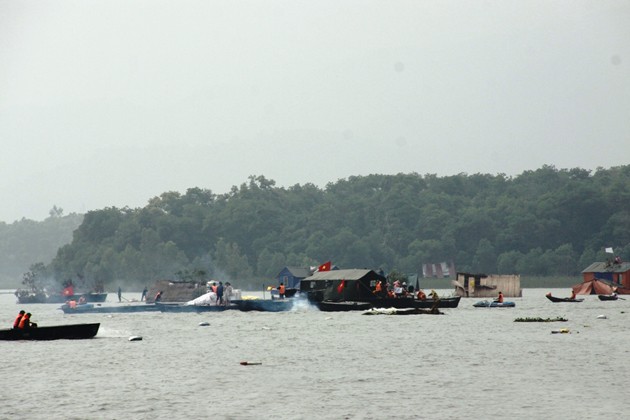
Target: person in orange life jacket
point(25, 322)
point(214, 286)
point(499, 298)
point(422, 295)
point(379, 288)
point(18, 318)
point(281, 290)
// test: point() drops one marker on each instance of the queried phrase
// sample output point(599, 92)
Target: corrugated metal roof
point(600, 267)
point(352, 274)
point(299, 272)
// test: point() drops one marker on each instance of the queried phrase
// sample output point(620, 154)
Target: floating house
point(604, 278)
point(487, 285)
point(292, 276)
point(341, 285)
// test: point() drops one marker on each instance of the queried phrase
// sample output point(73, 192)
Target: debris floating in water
point(602, 317)
point(561, 331)
point(204, 324)
point(251, 363)
point(135, 338)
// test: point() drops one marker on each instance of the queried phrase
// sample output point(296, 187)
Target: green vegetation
point(546, 224)
point(557, 319)
point(25, 242)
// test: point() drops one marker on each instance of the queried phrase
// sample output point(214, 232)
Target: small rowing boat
point(56, 332)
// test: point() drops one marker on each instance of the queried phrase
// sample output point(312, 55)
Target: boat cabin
point(341, 285)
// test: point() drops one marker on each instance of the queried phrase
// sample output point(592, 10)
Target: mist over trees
point(545, 222)
point(25, 242)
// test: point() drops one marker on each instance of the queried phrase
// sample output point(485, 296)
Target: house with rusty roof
point(615, 275)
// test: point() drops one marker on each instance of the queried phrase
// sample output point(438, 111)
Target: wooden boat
point(394, 302)
point(69, 332)
point(25, 298)
point(264, 305)
point(410, 302)
point(91, 308)
point(329, 306)
point(403, 311)
point(557, 299)
point(608, 297)
point(182, 307)
point(493, 304)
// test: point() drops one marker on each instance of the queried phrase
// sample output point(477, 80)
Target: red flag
point(325, 266)
point(341, 286)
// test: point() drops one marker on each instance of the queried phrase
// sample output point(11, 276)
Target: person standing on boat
point(281, 290)
point(144, 294)
point(573, 294)
point(220, 291)
point(227, 293)
point(18, 318)
point(119, 294)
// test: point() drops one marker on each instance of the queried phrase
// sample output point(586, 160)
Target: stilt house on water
point(486, 286)
point(605, 277)
point(341, 285)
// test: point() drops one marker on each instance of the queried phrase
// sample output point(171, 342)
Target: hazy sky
point(112, 102)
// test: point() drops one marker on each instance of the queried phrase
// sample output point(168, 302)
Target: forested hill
point(542, 222)
point(26, 241)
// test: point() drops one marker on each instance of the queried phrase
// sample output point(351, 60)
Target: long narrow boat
point(90, 308)
point(57, 332)
point(557, 299)
point(25, 298)
point(608, 297)
point(330, 306)
point(264, 305)
point(410, 302)
point(182, 307)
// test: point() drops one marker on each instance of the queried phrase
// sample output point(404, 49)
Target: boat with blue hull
point(29, 297)
point(91, 308)
point(493, 304)
point(183, 307)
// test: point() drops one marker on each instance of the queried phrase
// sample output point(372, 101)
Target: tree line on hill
point(544, 222)
point(25, 242)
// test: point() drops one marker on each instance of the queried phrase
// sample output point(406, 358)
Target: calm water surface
point(469, 363)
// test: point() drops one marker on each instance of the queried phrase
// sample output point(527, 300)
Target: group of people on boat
point(223, 292)
point(73, 303)
point(23, 321)
point(400, 290)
